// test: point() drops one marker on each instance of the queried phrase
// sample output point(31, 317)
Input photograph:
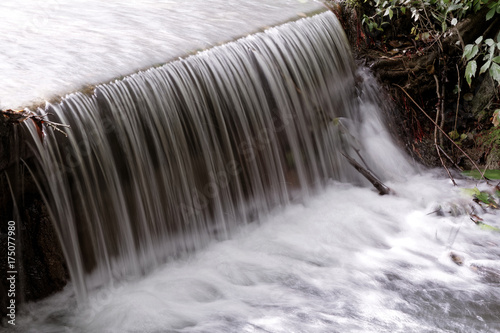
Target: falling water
point(157, 164)
point(171, 159)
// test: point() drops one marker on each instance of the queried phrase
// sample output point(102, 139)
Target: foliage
point(432, 19)
point(490, 174)
point(482, 197)
point(456, 137)
point(490, 139)
point(490, 51)
point(487, 227)
point(427, 15)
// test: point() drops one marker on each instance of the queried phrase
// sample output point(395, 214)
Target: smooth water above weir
point(210, 194)
point(54, 47)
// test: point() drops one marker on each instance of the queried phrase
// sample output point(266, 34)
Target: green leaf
point(487, 227)
point(391, 13)
point(470, 71)
point(467, 51)
point(492, 51)
point(479, 40)
point(483, 197)
point(490, 174)
point(473, 52)
point(489, 42)
point(470, 191)
point(403, 10)
point(496, 59)
point(495, 72)
point(444, 26)
point(454, 135)
point(490, 14)
point(485, 67)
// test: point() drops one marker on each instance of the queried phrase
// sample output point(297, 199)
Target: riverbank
point(443, 120)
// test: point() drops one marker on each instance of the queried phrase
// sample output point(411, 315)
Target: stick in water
point(382, 189)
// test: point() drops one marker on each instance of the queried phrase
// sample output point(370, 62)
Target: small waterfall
point(163, 161)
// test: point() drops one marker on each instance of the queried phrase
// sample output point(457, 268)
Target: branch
point(382, 189)
point(444, 165)
point(18, 116)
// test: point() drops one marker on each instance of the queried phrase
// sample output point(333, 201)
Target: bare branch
point(382, 189)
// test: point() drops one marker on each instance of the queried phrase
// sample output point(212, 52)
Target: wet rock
point(39, 261)
point(483, 97)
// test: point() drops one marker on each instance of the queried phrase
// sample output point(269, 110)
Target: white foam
point(348, 260)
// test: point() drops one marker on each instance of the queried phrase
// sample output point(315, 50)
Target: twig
point(444, 165)
point(343, 128)
point(458, 95)
point(18, 116)
point(460, 39)
point(438, 109)
point(382, 189)
point(449, 158)
point(446, 135)
point(443, 92)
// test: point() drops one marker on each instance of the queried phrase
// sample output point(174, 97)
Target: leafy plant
point(490, 174)
point(491, 138)
point(481, 196)
point(427, 15)
point(494, 8)
point(432, 18)
point(489, 50)
point(458, 138)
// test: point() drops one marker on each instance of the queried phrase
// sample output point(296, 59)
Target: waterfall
point(163, 161)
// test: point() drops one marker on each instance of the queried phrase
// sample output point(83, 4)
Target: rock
point(40, 264)
point(483, 97)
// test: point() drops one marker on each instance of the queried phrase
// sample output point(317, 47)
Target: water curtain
point(163, 161)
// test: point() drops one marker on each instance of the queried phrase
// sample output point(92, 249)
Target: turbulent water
point(347, 260)
point(211, 195)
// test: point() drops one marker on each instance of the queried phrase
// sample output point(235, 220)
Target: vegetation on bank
point(432, 20)
point(441, 57)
